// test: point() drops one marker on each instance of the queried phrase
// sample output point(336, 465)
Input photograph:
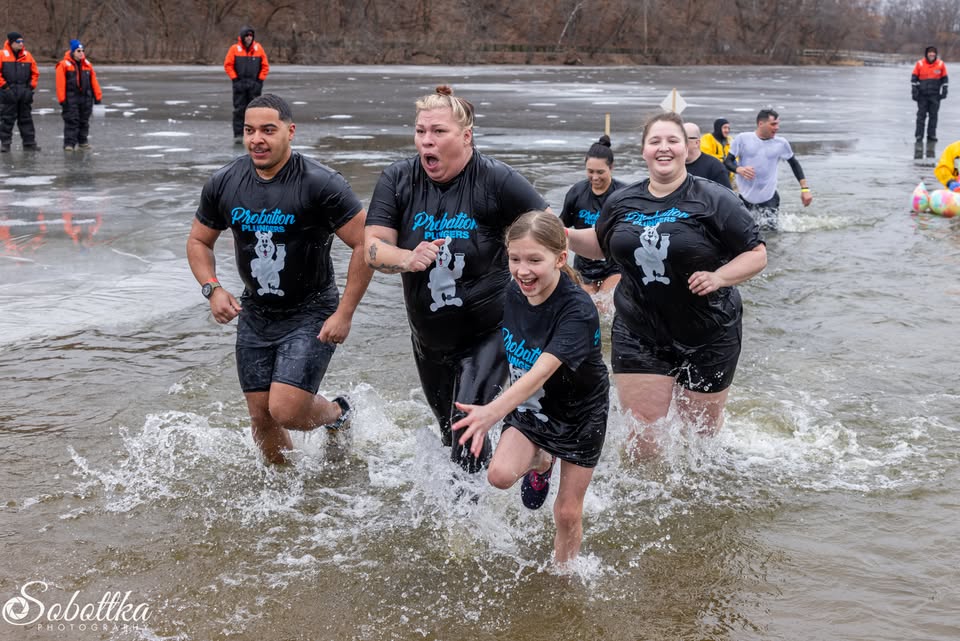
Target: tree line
point(593, 32)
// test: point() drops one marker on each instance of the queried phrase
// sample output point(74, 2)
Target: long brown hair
point(545, 229)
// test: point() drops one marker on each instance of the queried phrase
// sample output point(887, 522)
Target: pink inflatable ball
point(921, 198)
point(944, 202)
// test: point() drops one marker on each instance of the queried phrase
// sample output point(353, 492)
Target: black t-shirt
point(581, 208)
point(461, 296)
point(710, 168)
point(660, 242)
point(282, 227)
point(568, 411)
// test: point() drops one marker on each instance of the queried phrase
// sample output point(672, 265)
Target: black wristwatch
point(208, 287)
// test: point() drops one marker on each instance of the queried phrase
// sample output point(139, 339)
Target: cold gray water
point(826, 509)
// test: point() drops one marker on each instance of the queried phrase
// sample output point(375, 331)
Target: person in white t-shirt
point(754, 157)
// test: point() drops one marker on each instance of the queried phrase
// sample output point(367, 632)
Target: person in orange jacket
point(246, 65)
point(928, 85)
point(18, 81)
point(77, 92)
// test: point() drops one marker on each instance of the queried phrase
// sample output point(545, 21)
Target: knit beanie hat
point(13, 36)
point(74, 45)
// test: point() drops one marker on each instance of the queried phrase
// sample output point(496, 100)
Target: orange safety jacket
point(929, 77)
point(17, 70)
point(76, 80)
point(248, 64)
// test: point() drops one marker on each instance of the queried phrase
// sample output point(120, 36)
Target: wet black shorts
point(283, 349)
point(767, 213)
point(577, 444)
point(595, 271)
point(706, 369)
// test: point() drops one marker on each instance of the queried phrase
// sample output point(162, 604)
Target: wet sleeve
point(796, 168)
point(735, 147)
point(207, 211)
point(517, 196)
point(719, 175)
point(732, 224)
point(567, 215)
point(337, 201)
point(384, 209)
point(575, 330)
point(786, 153)
point(605, 223)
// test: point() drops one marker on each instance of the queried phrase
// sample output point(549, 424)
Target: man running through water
point(283, 209)
point(759, 153)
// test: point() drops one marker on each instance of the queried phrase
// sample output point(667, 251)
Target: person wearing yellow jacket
point(948, 167)
point(717, 143)
point(77, 92)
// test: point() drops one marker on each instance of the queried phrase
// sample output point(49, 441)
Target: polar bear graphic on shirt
point(532, 404)
point(268, 264)
point(650, 255)
point(443, 278)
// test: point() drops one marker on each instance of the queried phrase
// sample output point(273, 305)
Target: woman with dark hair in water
point(581, 208)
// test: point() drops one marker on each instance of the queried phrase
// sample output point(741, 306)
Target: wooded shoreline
point(588, 32)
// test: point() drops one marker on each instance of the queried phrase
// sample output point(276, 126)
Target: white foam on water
point(798, 220)
point(799, 442)
point(340, 117)
point(28, 181)
point(176, 102)
point(332, 510)
point(171, 134)
point(35, 202)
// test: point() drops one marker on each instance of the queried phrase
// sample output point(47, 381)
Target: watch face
point(206, 290)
